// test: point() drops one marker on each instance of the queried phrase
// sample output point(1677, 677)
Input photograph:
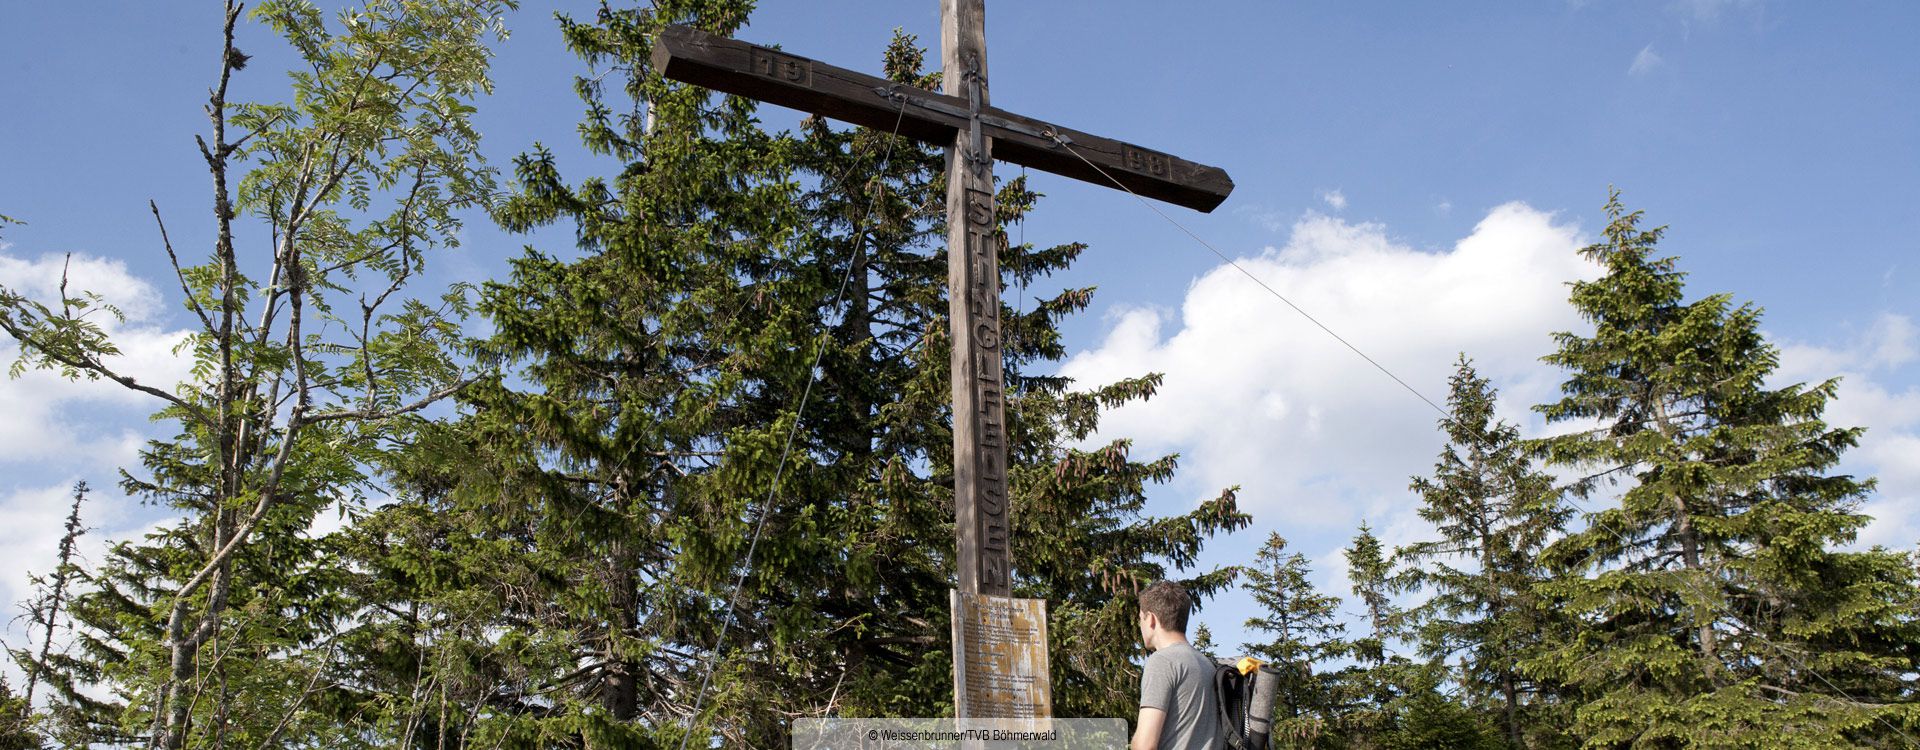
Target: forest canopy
point(690, 476)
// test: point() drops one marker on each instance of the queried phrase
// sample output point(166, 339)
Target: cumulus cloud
point(36, 519)
point(1890, 449)
point(1318, 439)
point(44, 410)
point(57, 431)
point(1645, 62)
point(1334, 199)
point(1256, 395)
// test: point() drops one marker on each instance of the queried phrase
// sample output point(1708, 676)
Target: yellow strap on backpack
point(1248, 664)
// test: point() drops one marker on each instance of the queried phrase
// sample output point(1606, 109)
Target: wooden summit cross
point(974, 133)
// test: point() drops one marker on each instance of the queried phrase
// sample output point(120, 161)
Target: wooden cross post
point(974, 134)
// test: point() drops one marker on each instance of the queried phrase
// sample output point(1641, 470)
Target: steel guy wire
point(779, 470)
point(1244, 272)
point(1731, 621)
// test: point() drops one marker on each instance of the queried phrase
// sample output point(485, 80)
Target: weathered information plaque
point(1000, 657)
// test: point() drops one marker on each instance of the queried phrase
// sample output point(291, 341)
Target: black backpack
point(1245, 701)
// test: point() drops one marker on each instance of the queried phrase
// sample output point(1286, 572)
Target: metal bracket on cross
point(989, 680)
point(789, 80)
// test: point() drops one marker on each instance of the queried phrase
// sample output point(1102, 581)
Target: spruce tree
point(1371, 687)
point(16, 720)
point(1494, 513)
point(1370, 571)
point(1719, 604)
point(1428, 720)
point(1306, 636)
point(599, 500)
point(1203, 640)
point(45, 611)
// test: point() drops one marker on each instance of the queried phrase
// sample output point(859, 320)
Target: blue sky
point(1416, 175)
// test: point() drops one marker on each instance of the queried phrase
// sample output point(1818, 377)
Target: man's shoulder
point(1180, 658)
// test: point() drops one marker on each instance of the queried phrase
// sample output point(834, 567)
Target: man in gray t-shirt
point(1178, 710)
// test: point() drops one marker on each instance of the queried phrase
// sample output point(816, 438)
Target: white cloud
point(1711, 10)
point(36, 518)
point(1645, 62)
point(56, 431)
point(52, 419)
point(1268, 218)
point(1334, 199)
point(1256, 395)
point(1894, 341)
point(40, 279)
point(1890, 449)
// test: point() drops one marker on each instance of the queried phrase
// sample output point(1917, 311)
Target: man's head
point(1163, 613)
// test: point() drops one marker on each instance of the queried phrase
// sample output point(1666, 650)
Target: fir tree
point(1717, 605)
point(1427, 720)
point(1494, 513)
point(1370, 572)
point(1371, 687)
point(16, 719)
point(601, 502)
point(1306, 634)
point(1203, 640)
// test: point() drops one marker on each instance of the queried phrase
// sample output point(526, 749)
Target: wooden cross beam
point(789, 80)
point(975, 133)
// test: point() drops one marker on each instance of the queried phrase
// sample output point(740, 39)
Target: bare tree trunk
point(1690, 557)
point(1513, 707)
point(173, 707)
point(621, 690)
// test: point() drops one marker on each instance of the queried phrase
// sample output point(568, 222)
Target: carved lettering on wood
point(1149, 162)
point(779, 65)
point(941, 119)
point(980, 208)
point(989, 429)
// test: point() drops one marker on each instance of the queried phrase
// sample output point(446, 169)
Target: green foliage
point(219, 628)
point(1306, 636)
point(1427, 720)
point(1369, 692)
point(1371, 573)
point(594, 509)
point(1721, 609)
point(1203, 639)
point(16, 720)
point(1494, 513)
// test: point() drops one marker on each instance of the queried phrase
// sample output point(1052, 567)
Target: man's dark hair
point(1167, 601)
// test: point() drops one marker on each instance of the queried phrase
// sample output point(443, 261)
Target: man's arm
point(1146, 732)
